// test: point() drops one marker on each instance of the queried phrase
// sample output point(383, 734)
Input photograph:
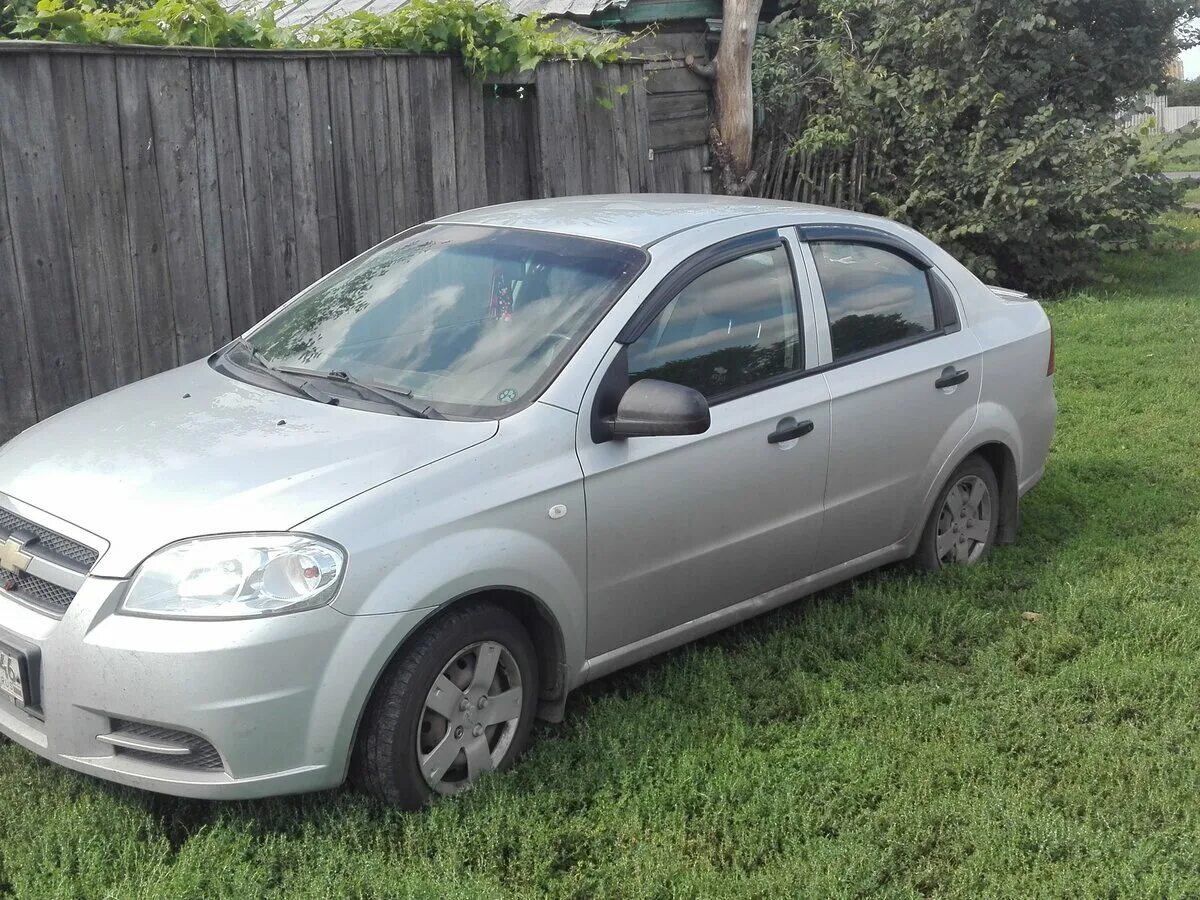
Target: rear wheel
point(963, 525)
point(458, 703)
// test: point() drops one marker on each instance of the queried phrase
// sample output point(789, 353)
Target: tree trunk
point(734, 94)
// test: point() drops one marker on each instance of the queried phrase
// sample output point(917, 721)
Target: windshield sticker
point(508, 395)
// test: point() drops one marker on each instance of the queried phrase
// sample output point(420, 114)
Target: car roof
point(638, 219)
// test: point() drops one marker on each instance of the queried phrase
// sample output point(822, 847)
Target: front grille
point(82, 555)
point(31, 589)
point(204, 756)
point(36, 591)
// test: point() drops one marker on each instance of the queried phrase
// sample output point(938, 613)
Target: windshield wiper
point(267, 369)
point(396, 397)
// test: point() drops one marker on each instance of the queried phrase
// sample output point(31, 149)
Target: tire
point(407, 722)
point(954, 534)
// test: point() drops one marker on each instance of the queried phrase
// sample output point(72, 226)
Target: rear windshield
point(472, 320)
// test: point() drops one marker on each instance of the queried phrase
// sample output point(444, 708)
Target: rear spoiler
point(1008, 293)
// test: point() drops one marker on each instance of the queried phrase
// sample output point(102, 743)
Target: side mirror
point(652, 408)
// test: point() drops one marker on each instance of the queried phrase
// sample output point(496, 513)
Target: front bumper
point(278, 698)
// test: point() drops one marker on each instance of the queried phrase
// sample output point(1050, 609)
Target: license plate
point(12, 674)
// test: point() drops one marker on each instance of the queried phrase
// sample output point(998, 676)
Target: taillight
point(1050, 364)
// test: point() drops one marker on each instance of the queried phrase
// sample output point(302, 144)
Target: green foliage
point(1178, 151)
point(188, 23)
point(989, 126)
point(10, 10)
point(1183, 92)
point(185, 23)
point(486, 36)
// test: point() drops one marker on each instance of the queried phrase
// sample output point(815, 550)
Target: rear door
point(904, 379)
point(682, 527)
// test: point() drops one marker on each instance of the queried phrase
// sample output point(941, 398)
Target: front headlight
point(236, 577)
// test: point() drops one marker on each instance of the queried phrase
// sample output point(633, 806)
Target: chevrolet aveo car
point(498, 456)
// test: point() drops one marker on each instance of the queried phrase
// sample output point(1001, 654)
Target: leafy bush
point(486, 36)
point(1184, 92)
point(10, 10)
point(988, 126)
point(189, 23)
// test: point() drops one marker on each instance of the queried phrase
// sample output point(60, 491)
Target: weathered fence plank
point(622, 129)
point(17, 407)
point(420, 147)
point(266, 263)
point(597, 108)
point(303, 175)
point(210, 204)
point(512, 156)
point(439, 92)
point(386, 165)
point(174, 124)
point(638, 113)
point(95, 200)
point(405, 204)
point(363, 101)
point(558, 132)
point(470, 147)
point(324, 185)
point(279, 157)
point(235, 226)
point(37, 214)
point(156, 202)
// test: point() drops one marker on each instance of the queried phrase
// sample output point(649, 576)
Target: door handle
point(951, 377)
point(789, 432)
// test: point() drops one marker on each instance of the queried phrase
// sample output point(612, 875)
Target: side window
point(874, 297)
point(733, 326)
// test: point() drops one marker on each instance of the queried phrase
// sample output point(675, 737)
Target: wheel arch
point(544, 630)
point(1000, 457)
point(548, 641)
point(997, 453)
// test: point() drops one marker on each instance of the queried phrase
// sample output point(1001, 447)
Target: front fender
point(505, 514)
point(488, 559)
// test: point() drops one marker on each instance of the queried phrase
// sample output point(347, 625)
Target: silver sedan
point(498, 456)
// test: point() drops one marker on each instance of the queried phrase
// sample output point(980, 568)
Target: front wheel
point(965, 520)
point(457, 703)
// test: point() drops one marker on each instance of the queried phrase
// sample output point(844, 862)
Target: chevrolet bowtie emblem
point(13, 556)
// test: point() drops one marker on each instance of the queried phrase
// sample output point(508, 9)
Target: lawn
point(1026, 728)
point(1183, 158)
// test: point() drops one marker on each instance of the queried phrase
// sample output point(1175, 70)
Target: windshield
point(469, 319)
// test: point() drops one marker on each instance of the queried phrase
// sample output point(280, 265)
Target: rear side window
point(730, 328)
point(874, 297)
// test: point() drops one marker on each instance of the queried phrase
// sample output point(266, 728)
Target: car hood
point(194, 452)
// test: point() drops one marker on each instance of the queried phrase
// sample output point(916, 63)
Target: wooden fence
point(679, 106)
point(155, 203)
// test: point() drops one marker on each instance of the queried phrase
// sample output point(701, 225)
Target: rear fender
point(994, 425)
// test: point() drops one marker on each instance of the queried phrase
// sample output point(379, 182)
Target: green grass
point(900, 735)
point(1183, 158)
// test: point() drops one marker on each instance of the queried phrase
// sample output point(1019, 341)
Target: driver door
point(683, 527)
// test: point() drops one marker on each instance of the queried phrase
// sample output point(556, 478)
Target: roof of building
point(639, 219)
